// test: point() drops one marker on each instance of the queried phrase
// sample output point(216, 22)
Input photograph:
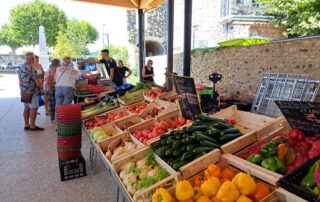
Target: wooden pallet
point(135, 156)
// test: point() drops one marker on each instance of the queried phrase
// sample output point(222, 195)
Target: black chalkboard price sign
point(188, 101)
point(302, 115)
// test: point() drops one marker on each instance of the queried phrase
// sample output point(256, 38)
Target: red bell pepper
point(315, 149)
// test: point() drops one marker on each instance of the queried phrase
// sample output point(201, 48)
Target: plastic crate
point(291, 181)
point(72, 169)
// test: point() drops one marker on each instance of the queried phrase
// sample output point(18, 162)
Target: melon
point(97, 134)
point(94, 130)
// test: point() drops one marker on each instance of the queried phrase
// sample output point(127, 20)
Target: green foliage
point(8, 38)
point(73, 42)
point(26, 18)
point(119, 53)
point(134, 78)
point(301, 16)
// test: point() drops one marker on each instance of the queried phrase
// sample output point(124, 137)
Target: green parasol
point(244, 41)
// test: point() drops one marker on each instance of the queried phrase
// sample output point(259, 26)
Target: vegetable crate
point(131, 98)
point(149, 99)
point(109, 108)
point(137, 104)
point(281, 195)
point(161, 107)
point(221, 163)
point(291, 181)
point(120, 164)
point(170, 95)
point(248, 123)
point(114, 143)
point(125, 123)
point(195, 166)
point(72, 169)
point(269, 176)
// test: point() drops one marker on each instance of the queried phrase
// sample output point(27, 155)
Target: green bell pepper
point(273, 164)
point(255, 158)
point(269, 150)
point(308, 180)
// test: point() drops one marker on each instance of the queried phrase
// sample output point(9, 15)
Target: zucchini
point(176, 144)
point(214, 132)
point(162, 151)
point(171, 140)
point(187, 156)
point(200, 137)
point(170, 160)
point(231, 131)
point(183, 148)
point(177, 153)
point(176, 166)
point(198, 150)
point(229, 137)
point(190, 147)
point(222, 126)
point(190, 139)
point(175, 161)
point(169, 152)
point(204, 118)
point(163, 141)
point(209, 144)
point(199, 128)
point(164, 136)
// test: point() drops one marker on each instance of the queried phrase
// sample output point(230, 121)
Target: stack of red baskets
point(69, 128)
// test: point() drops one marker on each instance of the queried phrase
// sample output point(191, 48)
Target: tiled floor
point(29, 167)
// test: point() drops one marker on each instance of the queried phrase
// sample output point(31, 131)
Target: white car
point(6, 65)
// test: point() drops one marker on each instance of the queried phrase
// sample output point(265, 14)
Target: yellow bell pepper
point(244, 183)
point(184, 190)
point(211, 186)
point(228, 192)
point(215, 199)
point(161, 195)
point(243, 198)
point(203, 199)
point(189, 200)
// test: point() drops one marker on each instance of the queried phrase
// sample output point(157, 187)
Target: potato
point(114, 144)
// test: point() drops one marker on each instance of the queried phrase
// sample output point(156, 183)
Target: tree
point(301, 16)
point(8, 38)
point(119, 53)
point(26, 18)
point(73, 42)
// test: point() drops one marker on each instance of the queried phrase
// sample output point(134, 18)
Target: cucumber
point(187, 156)
point(177, 153)
point(222, 126)
point(176, 160)
point(170, 160)
point(183, 148)
point(164, 136)
point(169, 152)
point(163, 141)
point(199, 128)
point(204, 118)
point(214, 132)
point(176, 166)
point(190, 139)
point(200, 137)
point(198, 150)
point(162, 151)
point(209, 144)
point(171, 140)
point(228, 137)
point(231, 131)
point(176, 145)
point(190, 147)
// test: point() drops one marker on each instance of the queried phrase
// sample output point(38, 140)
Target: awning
point(134, 4)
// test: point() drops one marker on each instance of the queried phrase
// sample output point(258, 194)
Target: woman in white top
point(65, 82)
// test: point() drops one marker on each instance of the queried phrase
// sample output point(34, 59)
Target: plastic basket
point(73, 168)
point(69, 128)
point(69, 124)
point(69, 141)
point(291, 181)
point(67, 120)
point(68, 154)
point(69, 132)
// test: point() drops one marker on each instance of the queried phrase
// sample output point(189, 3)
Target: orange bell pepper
point(212, 170)
point(227, 174)
point(198, 180)
point(261, 192)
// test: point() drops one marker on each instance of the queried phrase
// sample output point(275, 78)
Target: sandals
point(27, 128)
point(37, 128)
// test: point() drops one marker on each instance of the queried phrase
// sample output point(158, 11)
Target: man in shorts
point(28, 84)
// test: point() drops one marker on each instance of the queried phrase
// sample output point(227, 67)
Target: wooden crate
point(137, 104)
point(111, 129)
point(137, 97)
point(282, 195)
point(141, 126)
point(135, 156)
point(104, 145)
point(114, 105)
point(165, 97)
point(131, 119)
point(239, 143)
point(244, 120)
point(157, 105)
point(195, 166)
point(149, 99)
point(270, 177)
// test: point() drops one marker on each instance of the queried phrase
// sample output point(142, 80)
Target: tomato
point(182, 120)
point(188, 121)
point(145, 133)
point(150, 136)
point(160, 131)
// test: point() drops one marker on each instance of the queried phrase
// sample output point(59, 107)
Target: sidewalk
point(29, 168)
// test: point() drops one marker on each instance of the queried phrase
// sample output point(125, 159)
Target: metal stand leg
point(117, 193)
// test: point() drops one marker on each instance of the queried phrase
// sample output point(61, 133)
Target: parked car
point(17, 66)
point(6, 66)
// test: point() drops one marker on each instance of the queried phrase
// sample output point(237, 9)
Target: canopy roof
point(134, 4)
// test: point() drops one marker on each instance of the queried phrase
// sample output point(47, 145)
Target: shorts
point(34, 103)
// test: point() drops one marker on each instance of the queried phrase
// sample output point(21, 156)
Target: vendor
point(123, 70)
point(111, 66)
point(147, 72)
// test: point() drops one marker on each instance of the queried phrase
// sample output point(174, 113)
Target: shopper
point(40, 76)
point(110, 65)
point(65, 82)
point(49, 86)
point(123, 69)
point(28, 86)
point(147, 72)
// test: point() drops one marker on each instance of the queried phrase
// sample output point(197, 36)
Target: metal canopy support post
point(170, 40)
point(141, 42)
point(187, 37)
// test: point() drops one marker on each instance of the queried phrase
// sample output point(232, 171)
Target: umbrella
point(134, 4)
point(244, 41)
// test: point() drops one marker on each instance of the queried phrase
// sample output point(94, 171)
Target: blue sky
point(114, 19)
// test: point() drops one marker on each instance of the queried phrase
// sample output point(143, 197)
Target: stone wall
point(242, 67)
point(269, 31)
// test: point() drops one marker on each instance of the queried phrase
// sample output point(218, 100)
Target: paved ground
point(29, 167)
